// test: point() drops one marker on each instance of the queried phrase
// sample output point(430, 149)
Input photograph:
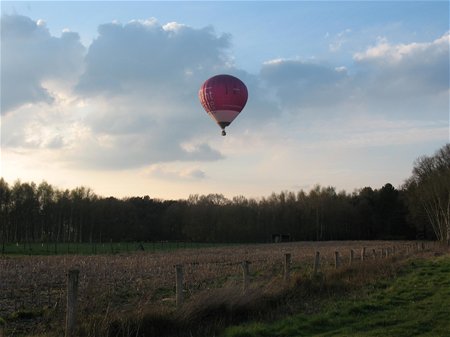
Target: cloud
point(155, 59)
point(144, 78)
point(30, 55)
point(298, 84)
point(135, 103)
point(166, 172)
point(133, 151)
point(394, 54)
point(130, 100)
point(365, 132)
point(400, 80)
point(125, 132)
point(30, 128)
point(405, 70)
point(339, 40)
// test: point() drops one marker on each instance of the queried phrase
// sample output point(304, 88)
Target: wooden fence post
point(2, 327)
point(363, 254)
point(72, 294)
point(374, 254)
point(245, 276)
point(179, 285)
point(316, 263)
point(352, 256)
point(287, 267)
point(337, 261)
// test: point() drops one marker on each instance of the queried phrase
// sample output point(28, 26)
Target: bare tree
point(429, 189)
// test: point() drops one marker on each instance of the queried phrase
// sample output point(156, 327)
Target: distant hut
point(276, 238)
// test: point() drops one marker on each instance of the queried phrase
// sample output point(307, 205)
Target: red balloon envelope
point(223, 97)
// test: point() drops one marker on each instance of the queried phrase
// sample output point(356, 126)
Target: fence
point(130, 280)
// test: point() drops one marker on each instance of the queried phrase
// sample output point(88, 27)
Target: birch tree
point(429, 189)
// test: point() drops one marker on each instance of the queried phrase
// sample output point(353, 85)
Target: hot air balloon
point(223, 97)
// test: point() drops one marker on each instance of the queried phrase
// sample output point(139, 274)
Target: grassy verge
point(209, 313)
point(416, 303)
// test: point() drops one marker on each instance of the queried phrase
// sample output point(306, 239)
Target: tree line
point(42, 213)
point(31, 212)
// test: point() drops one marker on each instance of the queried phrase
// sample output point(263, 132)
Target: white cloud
point(151, 23)
point(30, 55)
point(399, 80)
point(341, 69)
point(174, 27)
point(275, 61)
point(406, 79)
point(167, 172)
point(339, 40)
point(40, 23)
point(394, 54)
point(363, 132)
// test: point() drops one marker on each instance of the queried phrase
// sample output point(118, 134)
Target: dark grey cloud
point(134, 151)
point(298, 84)
point(261, 105)
point(30, 55)
point(158, 59)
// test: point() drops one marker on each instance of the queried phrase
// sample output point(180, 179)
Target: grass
point(211, 312)
point(51, 248)
point(122, 293)
point(416, 303)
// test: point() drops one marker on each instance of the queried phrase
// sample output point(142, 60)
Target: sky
point(104, 94)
